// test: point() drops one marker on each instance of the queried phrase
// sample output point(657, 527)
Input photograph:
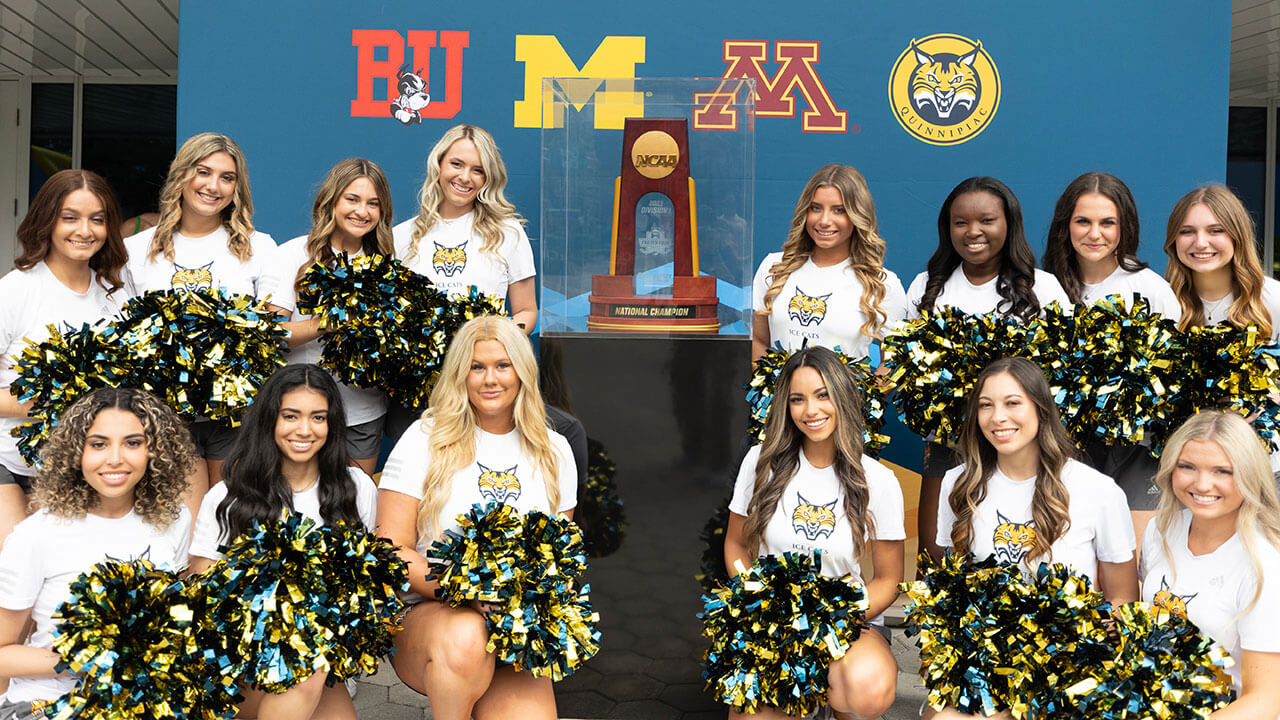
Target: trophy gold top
point(655, 154)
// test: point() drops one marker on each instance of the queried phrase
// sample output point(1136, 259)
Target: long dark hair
point(256, 487)
point(1059, 255)
point(1017, 262)
point(35, 232)
point(780, 455)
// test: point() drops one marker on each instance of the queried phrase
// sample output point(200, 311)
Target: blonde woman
point(1212, 553)
point(484, 439)
point(351, 215)
point(205, 239)
point(829, 285)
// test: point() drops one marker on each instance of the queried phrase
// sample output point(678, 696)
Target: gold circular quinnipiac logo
point(655, 154)
point(944, 89)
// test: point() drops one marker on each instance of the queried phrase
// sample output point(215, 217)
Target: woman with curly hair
point(69, 273)
point(110, 486)
point(983, 264)
point(352, 216)
point(205, 239)
point(484, 439)
point(829, 285)
point(811, 464)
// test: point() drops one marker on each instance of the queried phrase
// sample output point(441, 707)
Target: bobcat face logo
point(807, 309)
point(449, 261)
point(944, 89)
point(189, 279)
point(1176, 604)
point(1013, 540)
point(499, 485)
point(813, 521)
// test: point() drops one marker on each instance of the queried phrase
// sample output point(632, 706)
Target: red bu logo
point(404, 88)
point(775, 96)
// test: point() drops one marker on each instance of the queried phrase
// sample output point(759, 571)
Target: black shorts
point(938, 459)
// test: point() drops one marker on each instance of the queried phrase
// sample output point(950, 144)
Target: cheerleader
point(1212, 554)
point(110, 486)
point(205, 239)
point(811, 463)
point(1092, 251)
point(829, 285)
point(983, 264)
point(351, 215)
point(291, 454)
point(70, 272)
point(484, 439)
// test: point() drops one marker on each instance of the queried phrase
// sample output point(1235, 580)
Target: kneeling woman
point(110, 486)
point(1212, 553)
point(484, 439)
point(290, 453)
point(1022, 497)
point(812, 462)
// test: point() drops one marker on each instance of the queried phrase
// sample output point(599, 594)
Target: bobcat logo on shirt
point(813, 521)
point(192, 278)
point(499, 485)
point(807, 309)
point(1013, 540)
point(449, 261)
point(1176, 604)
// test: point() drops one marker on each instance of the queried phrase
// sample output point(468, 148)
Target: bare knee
point(862, 687)
point(461, 648)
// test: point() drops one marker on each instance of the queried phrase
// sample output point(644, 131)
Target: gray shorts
point(24, 710)
point(8, 477)
point(213, 440)
point(365, 440)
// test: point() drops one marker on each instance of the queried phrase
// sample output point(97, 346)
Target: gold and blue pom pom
point(291, 599)
point(775, 630)
point(764, 378)
point(993, 639)
point(527, 569)
point(600, 513)
point(126, 629)
point(936, 360)
point(712, 572)
point(1114, 367)
point(1163, 669)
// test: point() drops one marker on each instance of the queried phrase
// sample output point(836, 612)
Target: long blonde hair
point(1246, 269)
point(1259, 515)
point(866, 247)
point(492, 209)
point(237, 217)
point(378, 241)
point(1050, 503)
point(451, 420)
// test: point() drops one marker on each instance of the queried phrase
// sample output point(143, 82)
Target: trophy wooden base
point(691, 309)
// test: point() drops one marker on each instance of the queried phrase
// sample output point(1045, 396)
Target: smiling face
point(1204, 481)
point(355, 213)
point(828, 224)
point(978, 229)
point(1008, 419)
point(461, 177)
point(811, 408)
point(1203, 244)
point(1095, 232)
point(302, 426)
point(212, 188)
point(80, 229)
point(114, 460)
point(492, 386)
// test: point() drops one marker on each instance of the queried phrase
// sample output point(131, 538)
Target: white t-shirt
point(1101, 529)
point(30, 301)
point(810, 515)
point(45, 554)
point(208, 536)
point(362, 404)
point(972, 299)
point(1212, 589)
point(1215, 311)
point(501, 472)
point(202, 262)
point(1145, 282)
point(450, 256)
point(823, 306)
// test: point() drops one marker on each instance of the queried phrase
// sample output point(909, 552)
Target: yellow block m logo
point(615, 57)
